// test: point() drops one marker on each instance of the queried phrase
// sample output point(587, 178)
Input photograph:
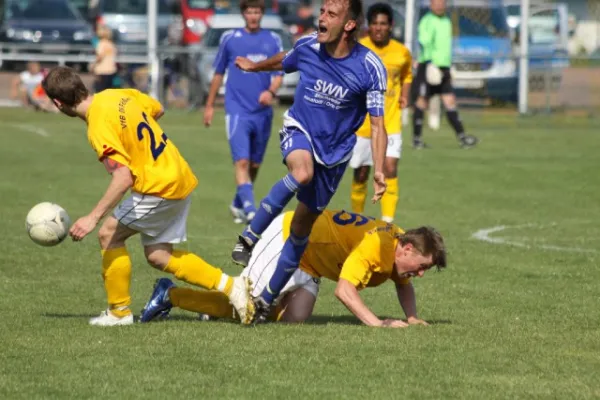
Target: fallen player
point(354, 250)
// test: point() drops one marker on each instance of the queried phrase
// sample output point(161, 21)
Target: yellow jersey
point(350, 246)
point(398, 63)
point(121, 126)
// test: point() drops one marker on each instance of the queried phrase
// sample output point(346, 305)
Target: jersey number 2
point(156, 150)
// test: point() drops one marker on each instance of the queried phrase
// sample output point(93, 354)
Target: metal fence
point(558, 68)
point(178, 76)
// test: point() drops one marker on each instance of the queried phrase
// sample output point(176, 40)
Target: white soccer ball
point(47, 224)
point(433, 74)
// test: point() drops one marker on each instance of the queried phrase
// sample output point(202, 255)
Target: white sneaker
point(238, 214)
point(106, 318)
point(241, 299)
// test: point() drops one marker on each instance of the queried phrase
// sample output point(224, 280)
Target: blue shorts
point(319, 192)
point(248, 135)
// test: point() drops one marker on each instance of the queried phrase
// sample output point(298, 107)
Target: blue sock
point(245, 192)
point(286, 266)
point(237, 203)
point(271, 206)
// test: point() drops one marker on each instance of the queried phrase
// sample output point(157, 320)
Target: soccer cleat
point(241, 299)
point(262, 310)
point(419, 144)
point(106, 318)
point(238, 214)
point(242, 251)
point(159, 304)
point(467, 141)
point(249, 217)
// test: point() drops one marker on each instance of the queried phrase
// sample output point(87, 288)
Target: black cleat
point(242, 251)
point(419, 144)
point(468, 141)
point(262, 310)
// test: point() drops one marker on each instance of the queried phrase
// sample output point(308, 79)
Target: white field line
point(31, 128)
point(485, 236)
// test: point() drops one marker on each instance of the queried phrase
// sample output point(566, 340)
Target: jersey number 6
point(349, 218)
point(156, 150)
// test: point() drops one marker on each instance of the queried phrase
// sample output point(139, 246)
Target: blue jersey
point(333, 96)
point(243, 89)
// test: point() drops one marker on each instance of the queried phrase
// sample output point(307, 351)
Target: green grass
point(507, 321)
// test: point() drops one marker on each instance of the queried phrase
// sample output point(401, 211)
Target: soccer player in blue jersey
point(340, 81)
point(248, 101)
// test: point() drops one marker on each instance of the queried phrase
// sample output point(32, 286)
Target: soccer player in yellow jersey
point(349, 248)
point(123, 131)
point(398, 62)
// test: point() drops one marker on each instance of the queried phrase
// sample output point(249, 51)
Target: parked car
point(196, 15)
point(43, 26)
point(483, 63)
point(548, 41)
point(225, 22)
point(129, 19)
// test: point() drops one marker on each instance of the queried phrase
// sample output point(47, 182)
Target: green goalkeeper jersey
point(435, 38)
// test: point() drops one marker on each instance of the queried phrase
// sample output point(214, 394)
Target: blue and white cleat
point(159, 304)
point(239, 217)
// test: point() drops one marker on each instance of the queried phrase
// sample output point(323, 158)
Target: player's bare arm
point(347, 293)
point(121, 182)
point(209, 109)
point(266, 98)
point(408, 302)
point(270, 64)
point(378, 146)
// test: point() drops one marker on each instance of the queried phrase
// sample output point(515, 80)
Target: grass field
point(508, 321)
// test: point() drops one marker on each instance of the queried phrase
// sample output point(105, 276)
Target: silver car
point(129, 19)
point(210, 46)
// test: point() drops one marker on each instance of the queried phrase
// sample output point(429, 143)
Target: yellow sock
point(214, 304)
point(389, 201)
point(116, 273)
point(190, 268)
point(358, 196)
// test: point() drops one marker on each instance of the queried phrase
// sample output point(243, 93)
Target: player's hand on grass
point(379, 185)
point(244, 64)
point(265, 98)
point(417, 321)
point(82, 227)
point(393, 323)
point(209, 111)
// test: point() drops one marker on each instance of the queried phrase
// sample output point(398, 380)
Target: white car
point(220, 23)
